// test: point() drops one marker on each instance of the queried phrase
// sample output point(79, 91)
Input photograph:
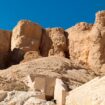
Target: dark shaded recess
point(4, 58)
point(54, 101)
point(67, 43)
point(45, 44)
point(15, 57)
point(49, 98)
point(66, 82)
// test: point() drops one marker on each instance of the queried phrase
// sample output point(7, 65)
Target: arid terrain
point(53, 66)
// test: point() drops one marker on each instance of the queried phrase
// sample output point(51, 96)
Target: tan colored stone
point(91, 93)
point(100, 19)
point(50, 85)
point(54, 42)
point(33, 101)
point(21, 97)
point(60, 92)
point(51, 66)
point(78, 77)
point(17, 76)
point(5, 40)
point(30, 55)
point(26, 37)
point(86, 44)
point(10, 83)
point(79, 44)
point(41, 83)
point(12, 78)
point(3, 95)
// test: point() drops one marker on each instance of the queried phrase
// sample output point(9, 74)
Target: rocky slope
point(51, 66)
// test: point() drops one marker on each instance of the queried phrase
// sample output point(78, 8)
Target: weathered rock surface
point(86, 44)
point(9, 84)
point(26, 37)
point(79, 44)
point(78, 77)
point(30, 55)
point(43, 65)
point(33, 101)
point(44, 75)
point(54, 42)
point(48, 66)
point(5, 40)
point(23, 98)
point(91, 93)
point(12, 78)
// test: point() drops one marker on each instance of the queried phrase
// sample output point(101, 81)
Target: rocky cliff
point(50, 66)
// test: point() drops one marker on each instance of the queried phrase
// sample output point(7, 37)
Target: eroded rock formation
point(86, 44)
point(26, 37)
point(54, 42)
point(5, 43)
point(52, 64)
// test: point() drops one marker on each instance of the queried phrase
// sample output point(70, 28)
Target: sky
point(49, 13)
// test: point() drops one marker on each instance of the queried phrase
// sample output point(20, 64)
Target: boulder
point(5, 41)
point(91, 93)
point(86, 44)
point(54, 42)
point(26, 37)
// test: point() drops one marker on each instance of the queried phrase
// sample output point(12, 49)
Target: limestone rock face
point(44, 74)
point(91, 93)
point(26, 37)
point(5, 40)
point(79, 44)
point(54, 42)
point(86, 44)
